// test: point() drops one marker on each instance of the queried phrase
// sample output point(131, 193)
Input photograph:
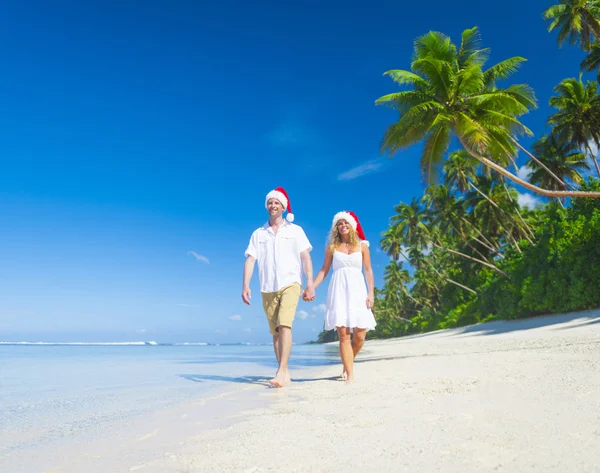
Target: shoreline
point(501, 396)
point(110, 437)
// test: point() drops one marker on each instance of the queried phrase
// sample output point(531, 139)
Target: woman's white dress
point(347, 294)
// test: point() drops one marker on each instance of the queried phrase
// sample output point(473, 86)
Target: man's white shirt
point(278, 255)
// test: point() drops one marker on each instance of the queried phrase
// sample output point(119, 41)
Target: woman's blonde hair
point(335, 239)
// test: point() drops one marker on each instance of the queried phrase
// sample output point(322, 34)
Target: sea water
point(56, 393)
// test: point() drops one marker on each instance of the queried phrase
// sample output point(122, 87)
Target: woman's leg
point(346, 353)
point(358, 339)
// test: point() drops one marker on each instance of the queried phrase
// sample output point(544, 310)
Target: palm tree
point(410, 220)
point(391, 242)
point(576, 20)
point(577, 120)
point(452, 95)
point(592, 61)
point(409, 223)
point(447, 213)
point(396, 278)
point(494, 211)
point(563, 158)
point(460, 170)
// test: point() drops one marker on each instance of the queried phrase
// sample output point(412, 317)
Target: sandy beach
point(517, 396)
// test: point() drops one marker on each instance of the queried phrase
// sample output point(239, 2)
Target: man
point(281, 249)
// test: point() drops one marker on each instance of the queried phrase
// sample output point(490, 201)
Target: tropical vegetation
point(472, 248)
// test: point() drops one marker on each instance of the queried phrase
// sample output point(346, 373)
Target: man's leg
point(276, 347)
point(288, 302)
point(285, 348)
point(270, 302)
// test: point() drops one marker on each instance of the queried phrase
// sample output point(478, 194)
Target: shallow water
point(53, 395)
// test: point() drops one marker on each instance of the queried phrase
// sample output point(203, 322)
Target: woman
point(349, 303)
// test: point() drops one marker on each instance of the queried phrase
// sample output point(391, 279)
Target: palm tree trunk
point(593, 157)
point(495, 251)
point(458, 253)
point(447, 279)
point(531, 233)
point(464, 236)
point(477, 251)
point(554, 176)
point(491, 246)
point(515, 242)
point(538, 190)
point(501, 209)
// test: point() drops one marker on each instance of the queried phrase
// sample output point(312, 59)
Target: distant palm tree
point(453, 95)
point(563, 158)
point(448, 214)
point(577, 120)
point(576, 20)
point(460, 170)
point(592, 61)
point(396, 278)
point(391, 242)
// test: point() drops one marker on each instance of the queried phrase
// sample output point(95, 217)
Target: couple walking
point(282, 250)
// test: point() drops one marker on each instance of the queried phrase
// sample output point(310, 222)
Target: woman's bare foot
point(349, 380)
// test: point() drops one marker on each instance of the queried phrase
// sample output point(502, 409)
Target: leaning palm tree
point(577, 120)
point(576, 20)
point(562, 157)
point(453, 95)
point(592, 61)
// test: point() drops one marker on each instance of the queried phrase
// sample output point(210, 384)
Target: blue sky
point(139, 140)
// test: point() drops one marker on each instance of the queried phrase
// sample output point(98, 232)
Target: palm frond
point(436, 145)
point(435, 45)
point(402, 77)
point(470, 52)
point(554, 11)
point(502, 70)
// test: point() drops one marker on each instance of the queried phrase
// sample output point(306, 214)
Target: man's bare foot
point(281, 379)
point(349, 380)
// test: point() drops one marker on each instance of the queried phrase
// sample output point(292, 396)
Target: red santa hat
point(352, 219)
point(280, 194)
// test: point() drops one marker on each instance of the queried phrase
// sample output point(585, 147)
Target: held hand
point(370, 301)
point(309, 294)
point(246, 295)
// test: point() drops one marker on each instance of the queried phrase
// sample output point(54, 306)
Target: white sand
point(506, 396)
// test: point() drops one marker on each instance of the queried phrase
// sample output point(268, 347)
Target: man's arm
point(248, 270)
point(309, 292)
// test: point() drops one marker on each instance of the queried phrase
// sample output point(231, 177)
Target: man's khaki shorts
point(280, 306)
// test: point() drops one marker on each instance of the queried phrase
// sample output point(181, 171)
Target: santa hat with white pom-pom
point(352, 219)
point(280, 194)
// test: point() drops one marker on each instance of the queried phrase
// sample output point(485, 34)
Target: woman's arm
point(322, 274)
point(368, 276)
